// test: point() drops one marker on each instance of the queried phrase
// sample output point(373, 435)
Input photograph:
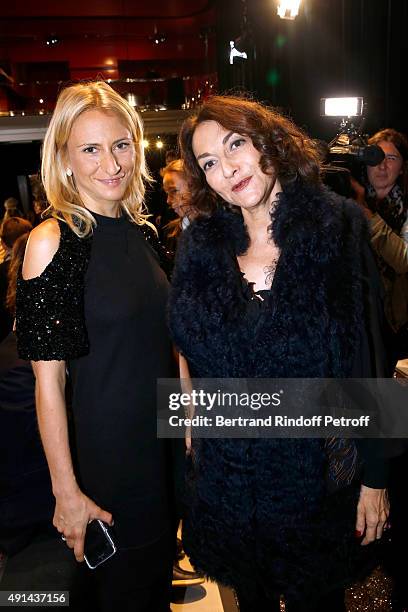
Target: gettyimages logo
point(222, 399)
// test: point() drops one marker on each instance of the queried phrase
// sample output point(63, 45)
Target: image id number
point(34, 598)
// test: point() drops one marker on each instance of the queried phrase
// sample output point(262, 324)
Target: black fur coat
point(316, 304)
point(258, 510)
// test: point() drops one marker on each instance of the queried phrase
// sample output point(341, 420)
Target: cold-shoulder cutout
point(42, 245)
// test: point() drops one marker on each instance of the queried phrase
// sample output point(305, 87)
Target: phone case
point(99, 545)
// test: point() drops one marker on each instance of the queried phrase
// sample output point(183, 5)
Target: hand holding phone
point(99, 545)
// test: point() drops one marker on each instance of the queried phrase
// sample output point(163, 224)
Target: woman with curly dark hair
point(271, 282)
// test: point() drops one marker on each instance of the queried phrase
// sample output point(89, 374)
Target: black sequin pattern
point(50, 320)
point(165, 256)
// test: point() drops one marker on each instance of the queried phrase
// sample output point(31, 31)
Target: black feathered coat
point(259, 510)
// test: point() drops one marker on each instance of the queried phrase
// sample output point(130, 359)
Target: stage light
point(146, 143)
point(159, 144)
point(341, 107)
point(288, 9)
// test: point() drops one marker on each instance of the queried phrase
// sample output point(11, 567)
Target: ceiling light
point(158, 38)
point(52, 40)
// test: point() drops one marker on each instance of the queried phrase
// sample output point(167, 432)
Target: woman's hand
point(372, 512)
point(72, 514)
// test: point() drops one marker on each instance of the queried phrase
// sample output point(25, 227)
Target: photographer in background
point(383, 195)
point(384, 198)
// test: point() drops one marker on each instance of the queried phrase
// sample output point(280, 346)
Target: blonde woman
point(91, 301)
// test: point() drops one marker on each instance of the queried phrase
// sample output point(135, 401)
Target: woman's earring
point(68, 172)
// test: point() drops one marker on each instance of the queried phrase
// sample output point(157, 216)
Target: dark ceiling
point(104, 8)
point(32, 20)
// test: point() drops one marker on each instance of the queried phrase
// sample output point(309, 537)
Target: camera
point(349, 152)
point(350, 149)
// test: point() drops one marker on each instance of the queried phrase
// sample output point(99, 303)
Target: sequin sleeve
point(50, 322)
point(165, 256)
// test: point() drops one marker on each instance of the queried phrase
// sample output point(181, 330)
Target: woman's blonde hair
point(62, 194)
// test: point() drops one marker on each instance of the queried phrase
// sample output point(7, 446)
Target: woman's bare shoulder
point(41, 247)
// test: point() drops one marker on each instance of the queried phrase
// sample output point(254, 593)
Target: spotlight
point(159, 143)
point(146, 143)
point(288, 9)
point(341, 107)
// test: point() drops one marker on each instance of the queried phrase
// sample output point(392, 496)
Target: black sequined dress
point(106, 318)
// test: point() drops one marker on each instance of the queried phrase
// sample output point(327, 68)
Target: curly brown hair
point(285, 148)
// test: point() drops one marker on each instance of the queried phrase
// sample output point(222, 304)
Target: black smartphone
point(99, 545)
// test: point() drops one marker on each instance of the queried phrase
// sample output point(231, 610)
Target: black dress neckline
point(103, 220)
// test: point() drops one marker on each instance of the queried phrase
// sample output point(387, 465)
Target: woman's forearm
point(391, 247)
point(53, 426)
point(73, 509)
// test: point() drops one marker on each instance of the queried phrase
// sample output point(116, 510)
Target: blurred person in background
point(11, 229)
point(39, 201)
point(176, 187)
point(10, 210)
